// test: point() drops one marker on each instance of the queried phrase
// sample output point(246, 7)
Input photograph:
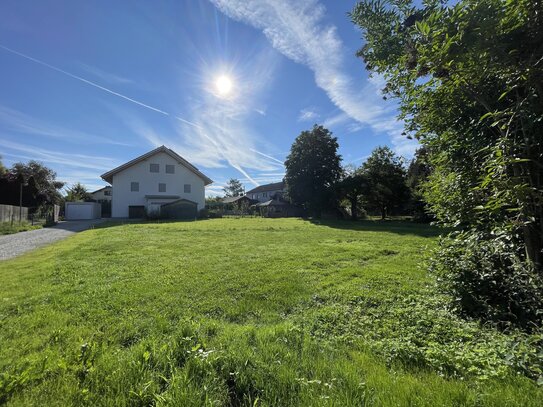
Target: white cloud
point(297, 30)
point(308, 115)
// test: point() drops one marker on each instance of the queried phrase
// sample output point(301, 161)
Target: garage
point(82, 210)
point(180, 209)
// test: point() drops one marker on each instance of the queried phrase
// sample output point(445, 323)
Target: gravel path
point(22, 242)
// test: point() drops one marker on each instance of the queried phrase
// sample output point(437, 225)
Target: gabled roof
point(108, 176)
point(276, 186)
point(101, 189)
point(273, 202)
point(231, 199)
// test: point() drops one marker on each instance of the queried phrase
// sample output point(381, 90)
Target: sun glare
point(223, 85)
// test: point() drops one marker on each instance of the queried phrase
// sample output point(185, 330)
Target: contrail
point(267, 156)
point(79, 78)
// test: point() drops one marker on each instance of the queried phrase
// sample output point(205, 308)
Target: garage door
point(136, 212)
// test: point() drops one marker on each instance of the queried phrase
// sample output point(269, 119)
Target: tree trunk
point(383, 212)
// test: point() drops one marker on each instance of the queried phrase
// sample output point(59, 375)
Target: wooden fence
point(10, 213)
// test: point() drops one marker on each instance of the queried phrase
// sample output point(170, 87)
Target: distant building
point(238, 201)
point(102, 194)
point(264, 193)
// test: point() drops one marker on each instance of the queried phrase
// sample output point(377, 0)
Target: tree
point(47, 185)
point(3, 169)
point(352, 187)
point(233, 188)
point(386, 181)
point(469, 78)
point(418, 173)
point(78, 192)
point(312, 170)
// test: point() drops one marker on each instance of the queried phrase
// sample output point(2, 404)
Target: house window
point(154, 168)
point(265, 194)
point(187, 188)
point(161, 187)
point(107, 193)
point(134, 186)
point(170, 169)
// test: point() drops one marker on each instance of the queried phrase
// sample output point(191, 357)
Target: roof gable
point(108, 176)
point(276, 186)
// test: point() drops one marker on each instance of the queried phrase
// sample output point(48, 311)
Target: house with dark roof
point(102, 194)
point(266, 192)
point(155, 179)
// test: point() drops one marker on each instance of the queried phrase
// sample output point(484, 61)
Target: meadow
point(249, 312)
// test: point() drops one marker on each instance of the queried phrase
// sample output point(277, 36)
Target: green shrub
point(489, 277)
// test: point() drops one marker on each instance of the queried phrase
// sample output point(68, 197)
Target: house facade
point(102, 194)
point(264, 193)
point(141, 186)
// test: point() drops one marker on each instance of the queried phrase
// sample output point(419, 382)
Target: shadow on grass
point(402, 227)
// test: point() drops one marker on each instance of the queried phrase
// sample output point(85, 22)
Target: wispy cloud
point(106, 76)
point(74, 160)
point(296, 28)
point(308, 115)
point(16, 121)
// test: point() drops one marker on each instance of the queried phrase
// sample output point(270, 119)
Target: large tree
point(313, 167)
point(469, 80)
point(45, 180)
point(386, 182)
point(233, 188)
point(3, 169)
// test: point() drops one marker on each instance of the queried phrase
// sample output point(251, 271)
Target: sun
point(224, 85)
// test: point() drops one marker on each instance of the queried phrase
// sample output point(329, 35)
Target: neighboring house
point(266, 192)
point(102, 194)
point(141, 186)
point(275, 208)
point(238, 201)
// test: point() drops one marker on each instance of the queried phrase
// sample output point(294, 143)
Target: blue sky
point(86, 86)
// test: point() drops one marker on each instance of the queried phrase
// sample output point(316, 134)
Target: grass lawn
point(254, 312)
point(6, 228)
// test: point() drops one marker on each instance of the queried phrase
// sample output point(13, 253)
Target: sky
point(227, 84)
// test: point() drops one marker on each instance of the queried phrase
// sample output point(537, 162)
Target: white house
point(156, 178)
point(102, 194)
point(266, 192)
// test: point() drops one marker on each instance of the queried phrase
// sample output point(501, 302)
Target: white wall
point(82, 210)
point(122, 197)
point(264, 196)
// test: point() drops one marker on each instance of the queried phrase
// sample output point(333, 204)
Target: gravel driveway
point(22, 242)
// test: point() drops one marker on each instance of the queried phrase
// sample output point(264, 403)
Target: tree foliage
point(312, 170)
point(469, 79)
point(45, 179)
point(385, 176)
point(352, 187)
point(78, 192)
point(233, 188)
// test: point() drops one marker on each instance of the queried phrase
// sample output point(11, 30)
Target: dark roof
point(101, 189)
point(179, 201)
point(273, 202)
point(276, 186)
point(108, 176)
point(230, 199)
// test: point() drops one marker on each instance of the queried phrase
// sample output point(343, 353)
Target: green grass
point(280, 312)
point(7, 228)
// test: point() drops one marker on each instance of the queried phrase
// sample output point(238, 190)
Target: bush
point(489, 277)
